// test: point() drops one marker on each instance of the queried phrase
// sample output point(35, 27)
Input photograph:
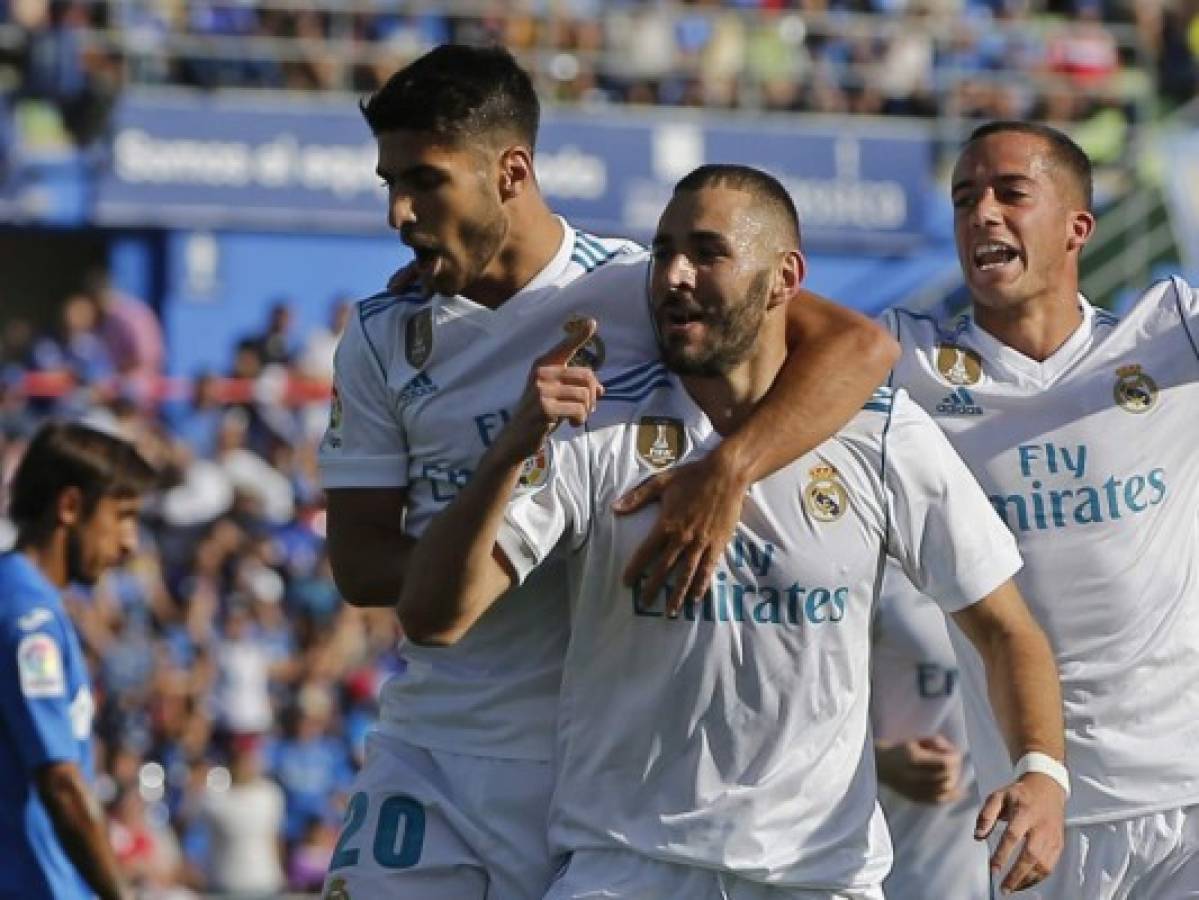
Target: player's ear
point(69, 506)
point(1082, 226)
point(516, 171)
point(788, 275)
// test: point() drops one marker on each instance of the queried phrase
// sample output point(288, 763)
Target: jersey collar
point(1042, 373)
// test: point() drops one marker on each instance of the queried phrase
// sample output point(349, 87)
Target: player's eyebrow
point(408, 173)
point(1007, 179)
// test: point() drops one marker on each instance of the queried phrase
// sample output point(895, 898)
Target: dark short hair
point(765, 188)
point(65, 454)
point(1062, 148)
point(457, 92)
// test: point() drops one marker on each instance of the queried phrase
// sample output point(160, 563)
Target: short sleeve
point(1188, 308)
point(942, 529)
point(34, 691)
point(540, 514)
point(364, 445)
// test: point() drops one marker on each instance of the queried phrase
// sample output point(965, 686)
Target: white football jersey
point(1090, 459)
point(736, 736)
point(422, 389)
point(915, 693)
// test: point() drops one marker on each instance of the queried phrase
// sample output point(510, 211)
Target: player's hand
point(926, 770)
point(700, 507)
point(1034, 808)
point(403, 278)
point(556, 390)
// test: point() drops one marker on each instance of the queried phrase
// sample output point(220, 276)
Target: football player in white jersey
point(926, 779)
point(1078, 426)
point(452, 800)
point(721, 748)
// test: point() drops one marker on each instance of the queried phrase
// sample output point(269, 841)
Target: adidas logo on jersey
point(420, 386)
point(959, 403)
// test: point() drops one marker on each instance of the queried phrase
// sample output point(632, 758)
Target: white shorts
point(1151, 857)
point(430, 825)
point(624, 875)
point(936, 855)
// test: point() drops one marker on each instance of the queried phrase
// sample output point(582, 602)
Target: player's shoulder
point(379, 326)
point(28, 603)
point(591, 251)
point(916, 330)
point(1173, 296)
point(887, 410)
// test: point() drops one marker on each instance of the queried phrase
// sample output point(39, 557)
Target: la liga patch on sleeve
point(40, 668)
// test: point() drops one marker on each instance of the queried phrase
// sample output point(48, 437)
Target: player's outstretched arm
point(456, 571)
point(80, 826)
point(836, 358)
point(1026, 698)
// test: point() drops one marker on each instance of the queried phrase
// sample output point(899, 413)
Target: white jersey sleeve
point(1188, 308)
point(364, 445)
point(941, 527)
point(536, 520)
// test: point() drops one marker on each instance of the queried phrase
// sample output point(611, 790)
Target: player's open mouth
point(994, 255)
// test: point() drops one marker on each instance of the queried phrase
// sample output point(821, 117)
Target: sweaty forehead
point(713, 209)
point(1005, 154)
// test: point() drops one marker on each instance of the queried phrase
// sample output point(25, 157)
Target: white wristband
point(1044, 764)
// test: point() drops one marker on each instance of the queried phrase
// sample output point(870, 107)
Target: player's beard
point(731, 334)
point(481, 240)
point(76, 568)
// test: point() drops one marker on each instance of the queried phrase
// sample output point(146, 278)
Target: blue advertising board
point(212, 161)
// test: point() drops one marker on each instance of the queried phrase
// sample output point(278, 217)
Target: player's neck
point(49, 556)
point(1035, 328)
point(534, 238)
point(728, 399)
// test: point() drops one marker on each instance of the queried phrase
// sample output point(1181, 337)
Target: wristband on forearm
point(1044, 764)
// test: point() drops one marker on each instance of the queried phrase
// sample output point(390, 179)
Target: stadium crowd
point(1062, 60)
point(233, 686)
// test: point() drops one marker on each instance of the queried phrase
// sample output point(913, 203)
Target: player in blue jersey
point(75, 502)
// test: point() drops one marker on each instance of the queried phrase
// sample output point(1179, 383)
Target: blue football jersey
point(46, 713)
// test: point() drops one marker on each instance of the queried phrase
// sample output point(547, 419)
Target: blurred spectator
point(276, 344)
point(241, 695)
point(316, 359)
point(78, 348)
point(309, 860)
point(245, 818)
point(130, 330)
point(310, 762)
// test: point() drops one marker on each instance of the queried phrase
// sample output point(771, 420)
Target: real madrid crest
point(1134, 390)
point(825, 496)
point(659, 441)
point(418, 338)
point(535, 469)
point(958, 365)
point(592, 353)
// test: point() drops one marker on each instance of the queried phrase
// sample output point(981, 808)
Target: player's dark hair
point(764, 188)
point(1062, 148)
point(457, 93)
point(64, 455)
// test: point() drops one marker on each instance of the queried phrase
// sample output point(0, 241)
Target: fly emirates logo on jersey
point(745, 593)
point(1079, 496)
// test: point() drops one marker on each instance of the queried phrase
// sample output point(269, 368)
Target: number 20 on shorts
point(399, 833)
